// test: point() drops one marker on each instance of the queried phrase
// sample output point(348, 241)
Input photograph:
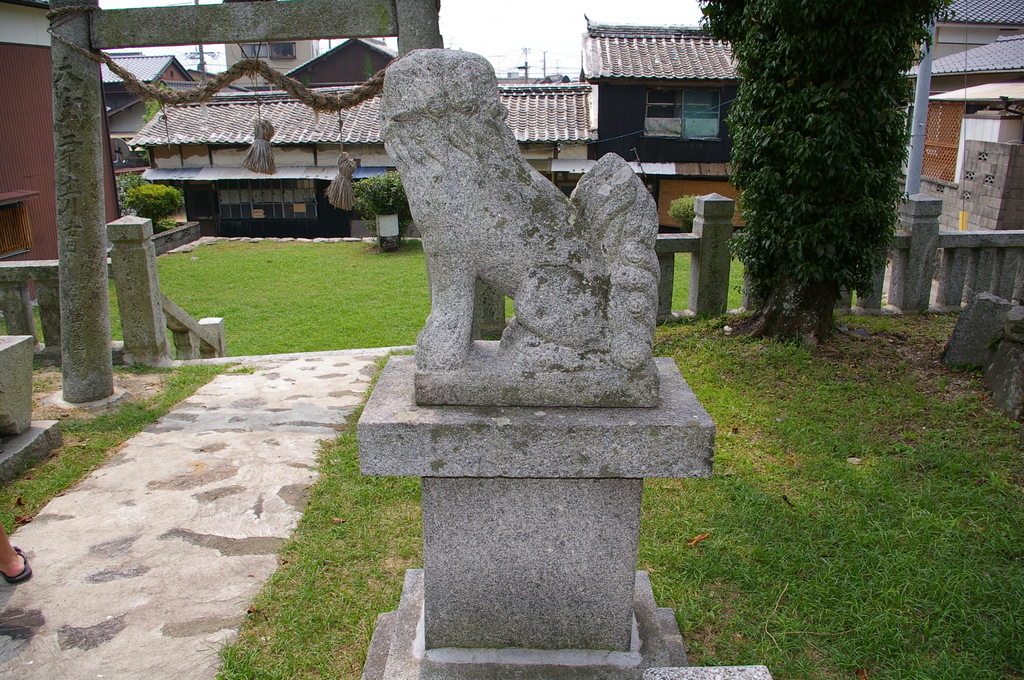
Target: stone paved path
point(147, 567)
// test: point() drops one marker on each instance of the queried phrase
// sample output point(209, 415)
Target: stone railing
point(16, 303)
point(172, 238)
point(710, 261)
point(928, 269)
point(146, 314)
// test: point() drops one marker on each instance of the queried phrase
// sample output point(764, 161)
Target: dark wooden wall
point(350, 64)
point(622, 109)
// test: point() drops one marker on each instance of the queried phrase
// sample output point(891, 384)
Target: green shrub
point(681, 210)
point(382, 195)
point(155, 201)
point(164, 225)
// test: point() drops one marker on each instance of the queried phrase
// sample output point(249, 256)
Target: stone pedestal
point(530, 530)
point(15, 383)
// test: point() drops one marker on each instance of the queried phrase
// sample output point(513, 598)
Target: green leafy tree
point(382, 195)
point(155, 201)
point(819, 137)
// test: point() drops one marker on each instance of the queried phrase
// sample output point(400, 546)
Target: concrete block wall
point(991, 190)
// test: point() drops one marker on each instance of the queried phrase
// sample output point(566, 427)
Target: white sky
point(502, 30)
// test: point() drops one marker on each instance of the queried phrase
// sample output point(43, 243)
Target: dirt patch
point(46, 382)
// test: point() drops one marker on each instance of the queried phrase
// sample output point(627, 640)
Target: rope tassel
point(260, 157)
point(339, 192)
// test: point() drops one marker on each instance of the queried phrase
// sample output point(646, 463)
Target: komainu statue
point(581, 271)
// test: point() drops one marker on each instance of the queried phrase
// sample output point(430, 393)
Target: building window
point(690, 114)
point(254, 50)
point(289, 199)
point(282, 50)
point(274, 50)
point(15, 232)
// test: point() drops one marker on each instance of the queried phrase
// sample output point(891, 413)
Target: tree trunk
point(795, 310)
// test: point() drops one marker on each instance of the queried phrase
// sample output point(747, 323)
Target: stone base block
point(709, 673)
point(504, 558)
point(655, 643)
point(19, 451)
point(398, 437)
point(15, 383)
point(488, 380)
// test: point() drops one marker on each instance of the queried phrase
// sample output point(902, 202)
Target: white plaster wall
point(369, 155)
point(288, 155)
point(195, 156)
point(954, 38)
point(327, 155)
point(23, 25)
point(165, 158)
point(228, 158)
point(573, 151)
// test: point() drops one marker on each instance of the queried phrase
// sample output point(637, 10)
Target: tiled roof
point(1004, 12)
point(655, 52)
point(548, 113)
point(180, 84)
point(536, 114)
point(1005, 54)
point(142, 67)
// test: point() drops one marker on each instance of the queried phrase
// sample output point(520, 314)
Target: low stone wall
point(172, 238)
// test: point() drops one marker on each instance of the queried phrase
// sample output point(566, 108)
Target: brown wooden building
point(28, 204)
point(350, 63)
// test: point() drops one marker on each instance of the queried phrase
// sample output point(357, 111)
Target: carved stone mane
point(582, 270)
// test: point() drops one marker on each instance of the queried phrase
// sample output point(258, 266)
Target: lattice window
point(15, 232)
point(942, 139)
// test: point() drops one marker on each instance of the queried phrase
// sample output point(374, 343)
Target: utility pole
point(525, 68)
point(544, 63)
point(202, 60)
point(917, 128)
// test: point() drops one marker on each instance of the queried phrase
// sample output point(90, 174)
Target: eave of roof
point(1005, 54)
point(985, 12)
point(28, 3)
point(144, 67)
point(655, 53)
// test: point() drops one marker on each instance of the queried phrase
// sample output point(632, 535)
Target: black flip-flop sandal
point(25, 574)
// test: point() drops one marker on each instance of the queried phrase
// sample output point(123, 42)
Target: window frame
point(282, 50)
point(679, 105)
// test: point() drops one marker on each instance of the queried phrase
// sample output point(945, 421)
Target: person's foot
point(16, 570)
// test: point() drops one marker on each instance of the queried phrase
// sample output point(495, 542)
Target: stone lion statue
point(581, 271)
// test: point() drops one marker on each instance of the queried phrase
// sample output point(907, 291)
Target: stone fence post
point(911, 285)
point(133, 267)
point(709, 272)
point(17, 308)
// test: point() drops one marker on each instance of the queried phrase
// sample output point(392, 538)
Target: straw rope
point(250, 67)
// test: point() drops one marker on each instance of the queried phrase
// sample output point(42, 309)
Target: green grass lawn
point(307, 297)
point(863, 520)
point(291, 297)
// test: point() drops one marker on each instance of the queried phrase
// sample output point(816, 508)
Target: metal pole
point(917, 128)
point(79, 148)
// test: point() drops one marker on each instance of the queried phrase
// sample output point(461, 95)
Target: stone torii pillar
point(79, 153)
point(80, 148)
